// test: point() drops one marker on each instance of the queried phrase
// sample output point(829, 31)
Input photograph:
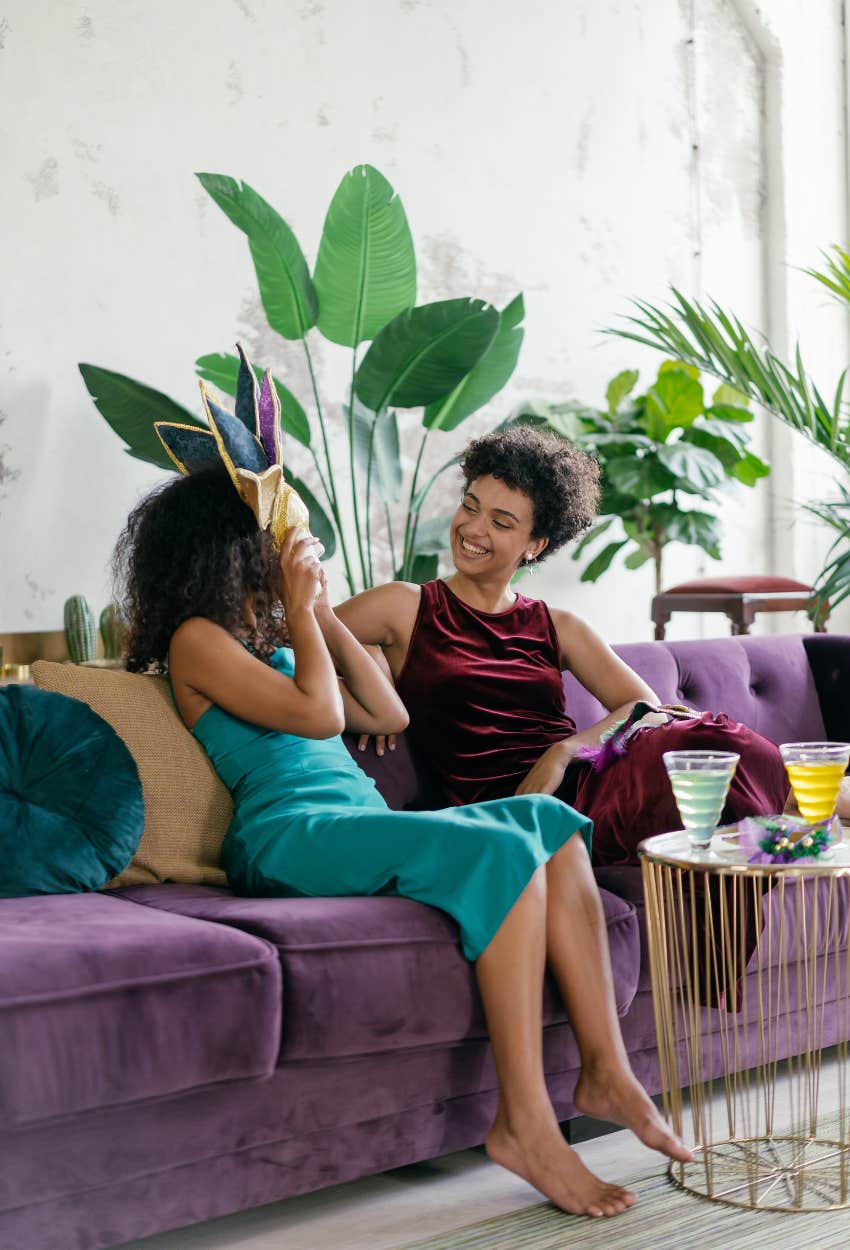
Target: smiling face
point(491, 530)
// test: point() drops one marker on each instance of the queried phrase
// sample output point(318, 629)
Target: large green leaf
point(674, 402)
point(423, 568)
point(619, 387)
point(637, 559)
point(678, 366)
point(592, 534)
point(386, 457)
point(287, 292)
point(694, 528)
point(639, 479)
point(320, 523)
point(425, 352)
point(729, 395)
point(750, 468)
point(131, 408)
point(542, 416)
point(486, 379)
point(602, 562)
point(728, 450)
point(695, 468)
point(366, 268)
point(729, 412)
point(222, 370)
point(614, 444)
point(432, 536)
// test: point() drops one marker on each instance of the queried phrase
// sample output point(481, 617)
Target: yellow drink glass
point(815, 770)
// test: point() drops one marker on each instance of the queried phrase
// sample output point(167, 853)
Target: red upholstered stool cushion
point(747, 585)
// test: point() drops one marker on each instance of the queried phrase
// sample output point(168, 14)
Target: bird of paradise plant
point(448, 358)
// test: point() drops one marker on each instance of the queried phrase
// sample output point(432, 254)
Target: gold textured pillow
point(187, 806)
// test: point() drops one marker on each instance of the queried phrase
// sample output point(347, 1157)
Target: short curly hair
point(193, 548)
point(561, 481)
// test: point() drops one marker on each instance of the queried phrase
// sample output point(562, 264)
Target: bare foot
point(618, 1096)
point(540, 1156)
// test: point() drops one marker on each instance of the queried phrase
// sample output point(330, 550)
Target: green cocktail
point(700, 781)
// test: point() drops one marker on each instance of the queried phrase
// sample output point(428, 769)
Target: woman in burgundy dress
point(478, 665)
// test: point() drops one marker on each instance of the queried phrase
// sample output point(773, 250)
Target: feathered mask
point(249, 443)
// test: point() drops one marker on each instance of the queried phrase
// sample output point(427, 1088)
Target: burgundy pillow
point(752, 585)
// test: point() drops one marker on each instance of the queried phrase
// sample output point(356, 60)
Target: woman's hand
point(548, 773)
point(382, 742)
point(300, 572)
point(322, 604)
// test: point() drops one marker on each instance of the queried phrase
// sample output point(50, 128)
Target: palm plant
point(715, 341)
point(448, 358)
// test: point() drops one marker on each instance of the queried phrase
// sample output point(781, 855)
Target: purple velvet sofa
point(173, 1053)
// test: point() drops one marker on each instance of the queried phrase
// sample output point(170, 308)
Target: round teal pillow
point(71, 809)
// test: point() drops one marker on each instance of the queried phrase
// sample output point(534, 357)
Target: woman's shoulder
point(382, 614)
point(199, 641)
point(570, 627)
point(201, 629)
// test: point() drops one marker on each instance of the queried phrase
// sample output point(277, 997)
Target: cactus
point(111, 631)
point(80, 630)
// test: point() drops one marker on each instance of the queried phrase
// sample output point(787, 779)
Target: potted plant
point(448, 358)
point(666, 454)
point(715, 341)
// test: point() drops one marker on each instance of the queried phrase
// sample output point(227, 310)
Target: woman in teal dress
point(210, 602)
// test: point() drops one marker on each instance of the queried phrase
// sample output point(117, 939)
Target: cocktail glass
point(815, 770)
point(700, 781)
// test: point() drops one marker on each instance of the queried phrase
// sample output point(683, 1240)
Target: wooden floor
point(389, 1211)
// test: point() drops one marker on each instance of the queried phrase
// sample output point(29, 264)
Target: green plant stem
point(334, 504)
point(367, 582)
point(412, 517)
point(321, 477)
point(369, 462)
point(390, 535)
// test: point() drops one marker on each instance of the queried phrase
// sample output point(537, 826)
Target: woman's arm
point(370, 701)
point(604, 675)
point(208, 665)
point(384, 617)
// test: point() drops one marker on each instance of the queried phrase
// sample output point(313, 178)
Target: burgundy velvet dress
point(485, 698)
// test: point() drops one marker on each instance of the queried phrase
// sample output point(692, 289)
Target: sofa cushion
point(71, 811)
point(749, 584)
point(363, 975)
point(187, 807)
point(102, 1003)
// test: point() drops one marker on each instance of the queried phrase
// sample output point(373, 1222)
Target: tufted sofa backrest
point(766, 682)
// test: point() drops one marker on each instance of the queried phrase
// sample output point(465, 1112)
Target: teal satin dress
point(308, 821)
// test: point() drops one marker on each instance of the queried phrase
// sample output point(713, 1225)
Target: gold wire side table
point(750, 974)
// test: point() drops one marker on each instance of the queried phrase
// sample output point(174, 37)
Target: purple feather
point(267, 412)
point(246, 393)
point(604, 754)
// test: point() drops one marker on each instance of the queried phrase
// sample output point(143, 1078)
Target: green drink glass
point(700, 781)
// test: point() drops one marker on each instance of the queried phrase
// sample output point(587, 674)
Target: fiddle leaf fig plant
point(666, 454)
point(448, 358)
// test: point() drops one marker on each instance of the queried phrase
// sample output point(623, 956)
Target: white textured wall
point(580, 152)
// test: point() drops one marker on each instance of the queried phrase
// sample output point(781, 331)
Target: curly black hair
point(561, 481)
point(193, 548)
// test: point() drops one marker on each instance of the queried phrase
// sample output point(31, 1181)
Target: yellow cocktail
point(815, 770)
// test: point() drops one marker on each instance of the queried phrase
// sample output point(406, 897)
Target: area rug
point(663, 1218)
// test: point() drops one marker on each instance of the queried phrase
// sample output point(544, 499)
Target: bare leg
point(577, 949)
point(525, 1136)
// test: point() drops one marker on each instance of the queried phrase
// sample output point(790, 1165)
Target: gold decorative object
point(750, 1049)
point(16, 672)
